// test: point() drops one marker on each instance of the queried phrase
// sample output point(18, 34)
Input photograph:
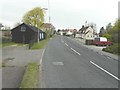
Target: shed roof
point(35, 29)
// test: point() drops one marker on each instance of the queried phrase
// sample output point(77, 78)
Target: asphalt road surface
point(67, 64)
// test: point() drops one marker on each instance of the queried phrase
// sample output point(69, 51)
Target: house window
point(88, 36)
point(23, 29)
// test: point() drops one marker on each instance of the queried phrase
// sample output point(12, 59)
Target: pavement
point(16, 59)
point(68, 64)
point(97, 49)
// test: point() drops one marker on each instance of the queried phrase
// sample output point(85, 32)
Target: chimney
point(82, 26)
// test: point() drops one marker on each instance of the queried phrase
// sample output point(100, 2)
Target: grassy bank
point(11, 43)
point(30, 78)
point(7, 44)
point(2, 65)
point(6, 41)
point(40, 45)
point(114, 49)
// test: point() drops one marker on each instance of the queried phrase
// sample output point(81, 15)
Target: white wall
point(89, 35)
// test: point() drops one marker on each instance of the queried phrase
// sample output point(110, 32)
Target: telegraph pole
point(41, 25)
point(49, 15)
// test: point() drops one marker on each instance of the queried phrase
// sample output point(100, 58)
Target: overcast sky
point(64, 13)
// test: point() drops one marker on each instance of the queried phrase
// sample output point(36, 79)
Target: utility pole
point(49, 15)
point(38, 20)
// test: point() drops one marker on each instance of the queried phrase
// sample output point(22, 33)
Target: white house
point(89, 33)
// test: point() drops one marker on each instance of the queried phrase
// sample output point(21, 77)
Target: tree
point(108, 27)
point(58, 30)
point(108, 36)
point(34, 17)
point(113, 31)
point(102, 31)
point(116, 31)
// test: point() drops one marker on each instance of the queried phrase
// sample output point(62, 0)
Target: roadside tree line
point(112, 33)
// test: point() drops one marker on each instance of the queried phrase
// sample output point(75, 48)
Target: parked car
point(102, 41)
point(69, 33)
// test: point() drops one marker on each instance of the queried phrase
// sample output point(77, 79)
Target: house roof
point(31, 27)
point(1, 25)
point(83, 29)
point(47, 25)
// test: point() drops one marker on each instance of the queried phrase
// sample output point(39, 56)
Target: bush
point(113, 49)
point(108, 36)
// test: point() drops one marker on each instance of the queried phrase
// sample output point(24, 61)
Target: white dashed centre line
point(105, 70)
point(66, 44)
point(75, 51)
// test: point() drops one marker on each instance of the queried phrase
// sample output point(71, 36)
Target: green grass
point(11, 43)
point(7, 44)
point(114, 49)
point(2, 65)
point(41, 44)
point(30, 78)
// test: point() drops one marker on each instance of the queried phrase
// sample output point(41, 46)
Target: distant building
point(1, 26)
point(88, 34)
point(48, 27)
point(26, 33)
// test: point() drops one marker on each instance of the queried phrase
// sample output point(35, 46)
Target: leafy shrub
point(115, 49)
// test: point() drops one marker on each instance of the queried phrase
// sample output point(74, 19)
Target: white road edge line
point(66, 44)
point(104, 70)
point(75, 51)
point(42, 57)
point(41, 67)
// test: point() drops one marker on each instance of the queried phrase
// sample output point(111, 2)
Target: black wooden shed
point(25, 33)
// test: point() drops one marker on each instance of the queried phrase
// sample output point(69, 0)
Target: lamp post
point(38, 20)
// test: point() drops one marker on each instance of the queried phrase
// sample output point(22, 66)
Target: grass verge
point(11, 43)
point(2, 65)
point(7, 44)
point(30, 78)
point(41, 44)
point(114, 49)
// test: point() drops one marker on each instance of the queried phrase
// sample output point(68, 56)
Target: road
point(67, 64)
